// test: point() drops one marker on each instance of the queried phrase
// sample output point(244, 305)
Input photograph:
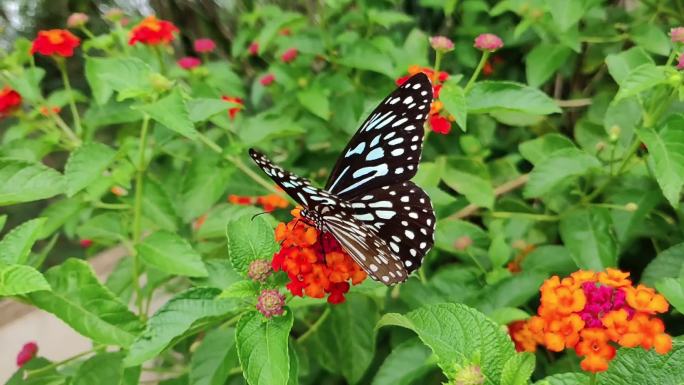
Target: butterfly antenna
point(256, 215)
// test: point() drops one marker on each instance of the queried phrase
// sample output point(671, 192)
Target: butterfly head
point(312, 217)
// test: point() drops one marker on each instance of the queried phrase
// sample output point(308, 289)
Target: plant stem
point(54, 365)
point(72, 100)
point(111, 206)
point(160, 58)
point(476, 261)
point(315, 326)
point(536, 217)
point(478, 69)
point(592, 379)
point(628, 155)
point(137, 211)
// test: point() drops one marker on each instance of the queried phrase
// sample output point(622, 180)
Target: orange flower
point(648, 333)
point(59, 42)
point(10, 100)
point(561, 297)
point(152, 31)
point(436, 106)
point(317, 282)
point(594, 345)
point(47, 111)
point(616, 323)
point(563, 332)
point(522, 336)
point(240, 200)
point(239, 105)
point(645, 299)
point(272, 201)
point(614, 278)
point(199, 222)
point(581, 276)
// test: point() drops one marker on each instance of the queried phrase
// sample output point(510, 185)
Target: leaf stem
point(315, 326)
point(54, 365)
point(72, 100)
point(137, 212)
point(160, 58)
point(478, 69)
point(592, 379)
point(536, 217)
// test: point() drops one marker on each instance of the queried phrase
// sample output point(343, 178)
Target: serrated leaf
point(16, 244)
point(518, 369)
point(262, 346)
point(454, 99)
point(640, 79)
point(668, 263)
point(172, 112)
point(248, 240)
point(673, 290)
point(345, 342)
point(201, 109)
point(102, 369)
point(314, 100)
point(204, 183)
point(404, 365)
point(646, 367)
point(175, 318)
point(241, 289)
point(85, 165)
point(589, 236)
point(549, 259)
point(539, 149)
point(512, 291)
point(81, 301)
point(59, 213)
point(651, 38)
point(26, 181)
point(105, 228)
point(565, 379)
point(566, 13)
point(21, 279)
point(214, 358)
point(460, 335)
point(492, 96)
point(470, 178)
point(449, 230)
point(171, 254)
point(666, 152)
point(544, 60)
point(621, 64)
point(557, 169)
point(158, 208)
point(129, 76)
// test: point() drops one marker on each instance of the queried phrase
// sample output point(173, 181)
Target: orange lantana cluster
point(316, 264)
point(439, 122)
point(592, 313)
point(269, 202)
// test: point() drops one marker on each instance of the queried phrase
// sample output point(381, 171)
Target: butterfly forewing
point(404, 219)
point(387, 147)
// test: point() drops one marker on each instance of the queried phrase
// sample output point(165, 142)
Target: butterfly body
point(384, 222)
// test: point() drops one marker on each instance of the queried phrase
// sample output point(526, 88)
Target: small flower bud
point(27, 352)
point(253, 49)
point(189, 62)
point(488, 42)
point(270, 303)
point(680, 62)
point(259, 270)
point(267, 80)
point(469, 375)
point(614, 133)
point(441, 43)
point(160, 82)
point(114, 14)
point(631, 206)
point(677, 35)
point(462, 243)
point(119, 191)
point(85, 243)
point(600, 146)
point(204, 45)
point(289, 55)
point(77, 20)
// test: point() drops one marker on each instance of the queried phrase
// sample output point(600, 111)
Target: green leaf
point(646, 367)
point(82, 302)
point(49, 375)
point(174, 319)
point(565, 379)
point(258, 129)
point(211, 362)
point(667, 263)
point(27, 83)
point(3, 220)
point(640, 79)
point(21, 279)
point(566, 13)
point(470, 178)
point(85, 165)
point(454, 99)
point(545, 59)
point(59, 213)
point(201, 109)
point(316, 101)
point(104, 228)
point(459, 335)
point(102, 369)
point(171, 254)
point(549, 259)
point(204, 183)
point(249, 240)
point(673, 290)
point(404, 365)
point(449, 230)
point(589, 235)
point(512, 291)
point(241, 289)
point(345, 342)
point(26, 181)
point(262, 346)
point(557, 169)
point(651, 38)
point(365, 56)
point(539, 149)
point(218, 217)
point(518, 369)
point(493, 96)
point(666, 150)
point(221, 274)
point(16, 245)
point(172, 112)
point(387, 18)
point(506, 315)
point(621, 64)
point(158, 208)
point(129, 76)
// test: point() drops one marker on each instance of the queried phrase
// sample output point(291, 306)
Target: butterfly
point(384, 221)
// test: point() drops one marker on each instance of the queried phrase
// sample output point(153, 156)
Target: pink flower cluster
point(601, 300)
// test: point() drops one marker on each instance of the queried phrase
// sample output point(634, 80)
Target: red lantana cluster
point(10, 100)
point(316, 265)
point(55, 42)
point(152, 31)
point(439, 120)
point(592, 313)
point(269, 202)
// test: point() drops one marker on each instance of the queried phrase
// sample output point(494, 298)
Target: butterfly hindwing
point(404, 219)
point(387, 147)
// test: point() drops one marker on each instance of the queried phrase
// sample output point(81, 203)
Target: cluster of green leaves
point(546, 185)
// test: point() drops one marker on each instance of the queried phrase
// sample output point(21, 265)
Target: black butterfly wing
point(404, 219)
point(362, 242)
point(386, 149)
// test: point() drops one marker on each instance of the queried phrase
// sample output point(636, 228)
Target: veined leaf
point(589, 235)
point(16, 245)
point(171, 254)
point(668, 263)
point(404, 365)
point(470, 178)
point(21, 279)
point(25, 182)
point(556, 169)
point(491, 96)
point(85, 165)
point(172, 112)
point(454, 99)
point(213, 359)
point(249, 240)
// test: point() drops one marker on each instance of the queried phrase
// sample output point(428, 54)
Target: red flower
point(204, 45)
point(267, 79)
point(27, 352)
point(85, 243)
point(189, 62)
point(234, 110)
point(253, 48)
point(289, 55)
point(10, 100)
point(58, 42)
point(440, 124)
point(152, 31)
point(337, 292)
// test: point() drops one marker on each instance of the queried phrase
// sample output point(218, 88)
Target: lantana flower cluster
point(439, 120)
point(269, 202)
point(10, 101)
point(315, 263)
point(593, 313)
